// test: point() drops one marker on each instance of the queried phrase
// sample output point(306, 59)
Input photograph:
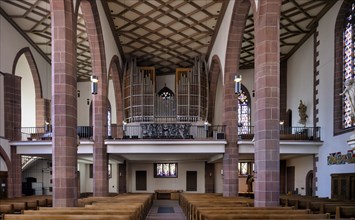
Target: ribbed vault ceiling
point(164, 33)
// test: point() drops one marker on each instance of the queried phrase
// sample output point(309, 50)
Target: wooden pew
point(345, 212)
point(123, 212)
point(220, 216)
point(64, 217)
point(245, 210)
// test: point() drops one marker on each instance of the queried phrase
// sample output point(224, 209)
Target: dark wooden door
point(191, 180)
point(141, 180)
point(209, 177)
point(122, 178)
point(290, 178)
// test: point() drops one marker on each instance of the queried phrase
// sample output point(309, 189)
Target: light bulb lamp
point(238, 84)
point(94, 80)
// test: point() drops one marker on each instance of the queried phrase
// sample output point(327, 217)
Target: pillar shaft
point(267, 112)
point(64, 104)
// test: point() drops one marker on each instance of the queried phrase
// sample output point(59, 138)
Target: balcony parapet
point(286, 133)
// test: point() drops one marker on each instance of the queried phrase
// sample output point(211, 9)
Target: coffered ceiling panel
point(164, 33)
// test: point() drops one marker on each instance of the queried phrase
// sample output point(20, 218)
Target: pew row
point(124, 206)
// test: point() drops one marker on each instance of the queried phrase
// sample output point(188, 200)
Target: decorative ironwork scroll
point(166, 131)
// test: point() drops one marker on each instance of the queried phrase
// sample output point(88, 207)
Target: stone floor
point(166, 210)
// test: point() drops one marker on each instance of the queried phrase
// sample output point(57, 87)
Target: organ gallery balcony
point(286, 133)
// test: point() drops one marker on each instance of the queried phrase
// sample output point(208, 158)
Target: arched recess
point(115, 73)
point(214, 74)
point(42, 106)
point(9, 182)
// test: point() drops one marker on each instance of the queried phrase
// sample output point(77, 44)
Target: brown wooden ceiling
point(164, 33)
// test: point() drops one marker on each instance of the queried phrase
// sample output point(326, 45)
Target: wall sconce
point(46, 126)
point(238, 84)
point(124, 125)
point(94, 80)
point(78, 93)
point(222, 172)
point(88, 101)
point(206, 125)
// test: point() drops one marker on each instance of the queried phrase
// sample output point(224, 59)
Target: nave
point(192, 206)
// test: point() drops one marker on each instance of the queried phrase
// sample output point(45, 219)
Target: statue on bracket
point(302, 109)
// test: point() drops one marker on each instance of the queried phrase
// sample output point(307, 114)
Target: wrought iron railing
point(172, 131)
point(166, 131)
point(45, 133)
point(286, 133)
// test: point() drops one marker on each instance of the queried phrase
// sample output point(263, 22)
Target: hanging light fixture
point(94, 80)
point(238, 84)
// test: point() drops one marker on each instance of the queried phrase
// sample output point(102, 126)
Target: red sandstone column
point(231, 155)
point(93, 27)
point(16, 174)
point(267, 112)
point(12, 111)
point(64, 104)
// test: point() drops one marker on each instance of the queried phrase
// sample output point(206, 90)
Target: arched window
point(348, 62)
point(244, 112)
point(344, 35)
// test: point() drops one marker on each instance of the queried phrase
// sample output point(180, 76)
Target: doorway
point(309, 183)
point(191, 180)
point(141, 180)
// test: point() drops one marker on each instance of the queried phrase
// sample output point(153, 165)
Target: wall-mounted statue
point(349, 92)
point(302, 109)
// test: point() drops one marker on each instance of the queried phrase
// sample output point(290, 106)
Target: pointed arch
point(234, 44)
point(33, 67)
point(115, 72)
point(97, 49)
point(42, 105)
point(214, 74)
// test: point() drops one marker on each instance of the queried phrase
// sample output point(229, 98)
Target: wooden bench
point(64, 217)
point(167, 194)
point(345, 212)
point(247, 210)
point(221, 216)
point(127, 206)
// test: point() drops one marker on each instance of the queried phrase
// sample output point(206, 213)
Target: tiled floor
point(176, 215)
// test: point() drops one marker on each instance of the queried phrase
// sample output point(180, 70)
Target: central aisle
point(166, 210)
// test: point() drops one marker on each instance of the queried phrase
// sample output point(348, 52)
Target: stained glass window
point(348, 60)
point(243, 113)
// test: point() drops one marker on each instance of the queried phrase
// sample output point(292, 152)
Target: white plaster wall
point(2, 111)
point(83, 108)
point(112, 100)
point(86, 183)
point(220, 44)
point(109, 40)
point(300, 82)
point(219, 104)
point(10, 43)
point(302, 166)
point(178, 183)
point(110, 51)
point(326, 90)
point(28, 99)
point(218, 169)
